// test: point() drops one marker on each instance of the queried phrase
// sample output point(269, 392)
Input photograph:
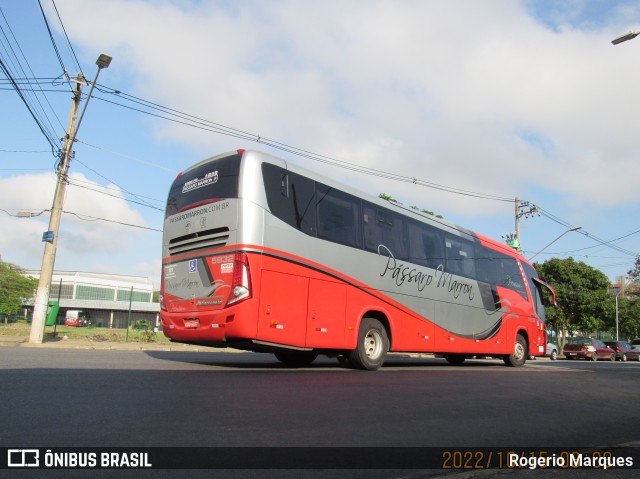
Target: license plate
point(191, 323)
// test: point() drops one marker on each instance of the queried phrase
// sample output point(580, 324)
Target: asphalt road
point(110, 398)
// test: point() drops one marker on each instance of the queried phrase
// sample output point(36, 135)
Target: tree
point(584, 302)
point(14, 288)
point(629, 318)
point(391, 199)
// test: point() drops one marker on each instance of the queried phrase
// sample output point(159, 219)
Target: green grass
point(91, 333)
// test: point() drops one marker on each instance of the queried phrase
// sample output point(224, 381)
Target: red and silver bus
point(262, 255)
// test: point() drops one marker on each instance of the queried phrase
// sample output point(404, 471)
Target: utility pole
point(50, 237)
point(526, 209)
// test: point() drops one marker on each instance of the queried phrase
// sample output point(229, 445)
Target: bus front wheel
point(373, 344)
point(519, 356)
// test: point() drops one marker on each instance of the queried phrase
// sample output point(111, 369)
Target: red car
point(588, 348)
point(624, 350)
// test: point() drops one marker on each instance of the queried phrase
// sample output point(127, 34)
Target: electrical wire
point(64, 30)
point(94, 218)
point(186, 119)
point(53, 41)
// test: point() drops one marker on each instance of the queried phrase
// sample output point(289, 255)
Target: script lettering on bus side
point(404, 275)
point(185, 283)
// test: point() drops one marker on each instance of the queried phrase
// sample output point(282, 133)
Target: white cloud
point(85, 238)
point(477, 95)
point(482, 96)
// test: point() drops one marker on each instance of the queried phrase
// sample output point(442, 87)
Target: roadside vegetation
point(21, 328)
point(586, 304)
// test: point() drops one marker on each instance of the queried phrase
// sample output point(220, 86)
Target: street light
point(624, 38)
point(50, 237)
point(568, 231)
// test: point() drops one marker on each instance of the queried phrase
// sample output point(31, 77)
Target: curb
point(19, 341)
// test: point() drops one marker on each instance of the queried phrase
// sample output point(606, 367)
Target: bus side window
point(386, 228)
point(461, 258)
point(425, 245)
point(338, 216)
point(510, 276)
point(488, 265)
point(290, 197)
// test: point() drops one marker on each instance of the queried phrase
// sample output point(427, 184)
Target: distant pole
point(126, 337)
point(50, 238)
point(55, 324)
point(517, 224)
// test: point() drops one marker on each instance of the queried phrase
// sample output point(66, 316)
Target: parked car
point(588, 348)
point(623, 350)
point(76, 318)
point(635, 344)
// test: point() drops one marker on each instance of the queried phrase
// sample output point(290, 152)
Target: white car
point(635, 344)
point(552, 352)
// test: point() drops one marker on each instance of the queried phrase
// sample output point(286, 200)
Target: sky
point(502, 99)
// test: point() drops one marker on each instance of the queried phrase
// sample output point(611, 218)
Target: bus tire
point(519, 356)
point(296, 358)
point(455, 359)
point(372, 347)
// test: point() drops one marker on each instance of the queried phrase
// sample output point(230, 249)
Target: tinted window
point(338, 216)
point(426, 244)
point(500, 269)
point(510, 276)
point(460, 256)
point(213, 180)
point(384, 227)
point(291, 197)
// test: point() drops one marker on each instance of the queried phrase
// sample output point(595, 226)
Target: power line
point(53, 41)
point(76, 183)
point(186, 119)
point(46, 134)
point(64, 30)
point(94, 218)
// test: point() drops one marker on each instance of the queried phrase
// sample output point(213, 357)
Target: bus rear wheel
point(519, 356)
point(373, 344)
point(296, 358)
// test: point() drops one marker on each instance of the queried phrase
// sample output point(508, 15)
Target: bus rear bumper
point(207, 328)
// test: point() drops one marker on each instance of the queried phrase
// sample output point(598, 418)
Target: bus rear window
point(210, 181)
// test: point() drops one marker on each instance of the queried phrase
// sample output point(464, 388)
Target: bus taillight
point(163, 306)
point(241, 282)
